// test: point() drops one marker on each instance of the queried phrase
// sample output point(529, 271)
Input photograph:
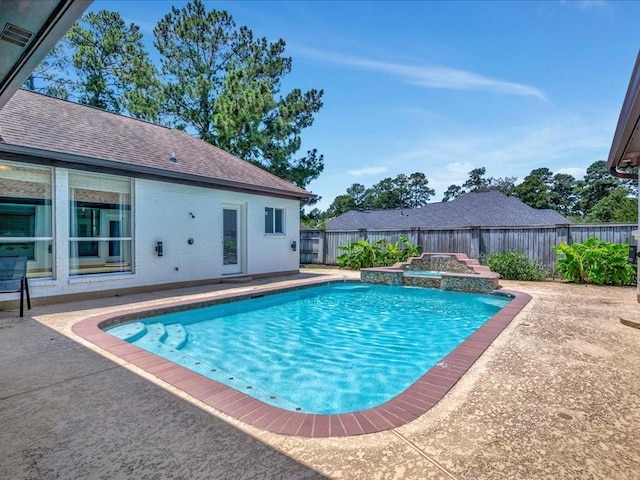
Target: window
point(273, 220)
point(26, 216)
point(100, 224)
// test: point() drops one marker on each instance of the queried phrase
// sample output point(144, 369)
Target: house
point(98, 202)
point(486, 209)
point(625, 147)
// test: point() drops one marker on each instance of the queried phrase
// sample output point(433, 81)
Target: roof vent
point(173, 158)
point(16, 35)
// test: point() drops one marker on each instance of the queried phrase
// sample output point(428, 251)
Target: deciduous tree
point(616, 207)
point(597, 184)
point(354, 199)
point(403, 191)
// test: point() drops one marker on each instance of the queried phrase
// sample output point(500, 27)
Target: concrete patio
point(556, 396)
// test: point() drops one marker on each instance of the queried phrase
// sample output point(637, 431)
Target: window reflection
point(100, 227)
point(26, 216)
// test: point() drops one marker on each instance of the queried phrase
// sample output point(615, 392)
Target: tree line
point(214, 79)
point(219, 82)
point(598, 197)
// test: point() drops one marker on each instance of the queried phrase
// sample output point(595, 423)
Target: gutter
point(613, 170)
point(625, 148)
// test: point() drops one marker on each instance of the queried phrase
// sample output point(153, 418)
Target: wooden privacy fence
point(320, 247)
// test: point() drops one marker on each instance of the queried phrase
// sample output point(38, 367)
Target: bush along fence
point(320, 247)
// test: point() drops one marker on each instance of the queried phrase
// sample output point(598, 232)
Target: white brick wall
point(163, 212)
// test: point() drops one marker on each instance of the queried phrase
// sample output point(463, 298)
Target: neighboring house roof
point(487, 209)
point(553, 217)
point(43, 129)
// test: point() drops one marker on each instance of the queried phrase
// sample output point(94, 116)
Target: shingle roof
point(40, 125)
point(487, 209)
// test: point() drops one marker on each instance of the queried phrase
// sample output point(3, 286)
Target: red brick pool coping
point(410, 404)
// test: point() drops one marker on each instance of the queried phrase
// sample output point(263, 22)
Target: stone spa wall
point(448, 271)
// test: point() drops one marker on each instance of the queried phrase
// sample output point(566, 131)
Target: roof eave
point(20, 153)
point(625, 149)
point(16, 69)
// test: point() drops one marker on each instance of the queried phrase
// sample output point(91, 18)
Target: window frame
point(100, 225)
point(38, 242)
point(272, 224)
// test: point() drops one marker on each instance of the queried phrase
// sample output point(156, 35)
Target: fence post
point(474, 244)
point(322, 247)
point(415, 236)
point(562, 233)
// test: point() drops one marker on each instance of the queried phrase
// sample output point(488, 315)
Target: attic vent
point(173, 158)
point(16, 35)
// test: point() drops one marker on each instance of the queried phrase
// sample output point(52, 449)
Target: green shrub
point(517, 266)
point(363, 254)
point(596, 261)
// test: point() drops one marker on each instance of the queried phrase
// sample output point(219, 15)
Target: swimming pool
point(418, 399)
point(328, 349)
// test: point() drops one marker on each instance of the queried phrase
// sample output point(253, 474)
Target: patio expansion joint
point(422, 453)
point(66, 380)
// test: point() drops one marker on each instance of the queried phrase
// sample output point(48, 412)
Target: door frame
point(238, 267)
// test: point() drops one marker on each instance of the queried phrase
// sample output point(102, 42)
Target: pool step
point(156, 333)
point(176, 336)
point(129, 332)
point(167, 340)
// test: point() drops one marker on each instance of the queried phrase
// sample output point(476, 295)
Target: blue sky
point(445, 87)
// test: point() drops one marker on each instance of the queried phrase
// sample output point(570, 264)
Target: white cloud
point(430, 76)
point(585, 4)
point(367, 172)
point(459, 168)
point(576, 172)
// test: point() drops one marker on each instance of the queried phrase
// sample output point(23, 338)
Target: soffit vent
point(16, 35)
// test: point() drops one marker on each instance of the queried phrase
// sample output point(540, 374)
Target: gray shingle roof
point(487, 209)
point(39, 124)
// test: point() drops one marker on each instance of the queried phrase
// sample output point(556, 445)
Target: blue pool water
point(327, 349)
